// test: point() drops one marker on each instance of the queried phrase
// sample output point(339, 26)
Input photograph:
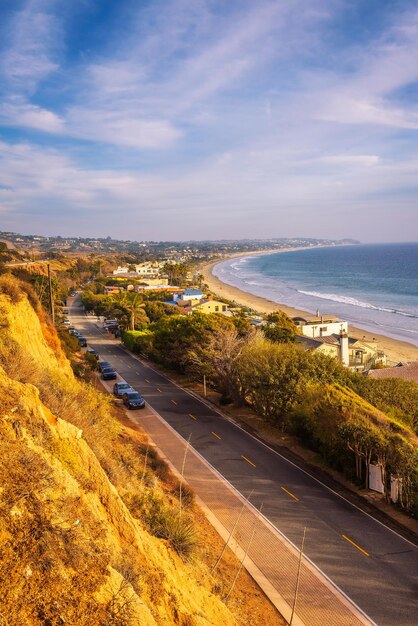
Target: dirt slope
point(70, 549)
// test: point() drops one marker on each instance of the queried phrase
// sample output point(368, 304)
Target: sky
point(209, 119)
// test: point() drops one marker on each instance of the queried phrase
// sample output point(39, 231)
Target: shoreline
point(395, 349)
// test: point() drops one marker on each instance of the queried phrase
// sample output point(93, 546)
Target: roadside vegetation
point(350, 420)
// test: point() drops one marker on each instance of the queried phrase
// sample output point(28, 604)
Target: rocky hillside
point(89, 526)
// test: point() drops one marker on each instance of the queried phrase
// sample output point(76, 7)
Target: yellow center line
point(215, 435)
point(290, 494)
point(355, 545)
point(192, 416)
point(248, 460)
point(174, 402)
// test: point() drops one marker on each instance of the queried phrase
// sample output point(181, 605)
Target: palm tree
point(132, 302)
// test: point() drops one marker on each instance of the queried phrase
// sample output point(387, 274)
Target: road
point(373, 565)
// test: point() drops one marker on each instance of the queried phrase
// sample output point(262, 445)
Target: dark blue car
point(109, 373)
point(133, 400)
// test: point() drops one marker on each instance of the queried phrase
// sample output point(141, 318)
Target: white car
point(66, 321)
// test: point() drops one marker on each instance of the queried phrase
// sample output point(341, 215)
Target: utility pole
point(204, 385)
point(51, 297)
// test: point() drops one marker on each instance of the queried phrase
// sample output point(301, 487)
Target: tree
point(217, 360)
point(176, 272)
point(132, 302)
point(362, 439)
point(178, 337)
point(280, 328)
point(156, 310)
point(270, 378)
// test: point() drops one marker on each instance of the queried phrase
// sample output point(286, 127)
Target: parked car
point(133, 400)
point(71, 329)
point(121, 388)
point(108, 373)
point(102, 364)
point(82, 341)
point(111, 329)
point(93, 352)
point(66, 321)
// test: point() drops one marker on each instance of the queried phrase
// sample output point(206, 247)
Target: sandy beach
point(395, 350)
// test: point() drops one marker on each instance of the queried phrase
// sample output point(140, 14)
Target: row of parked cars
point(80, 338)
point(131, 399)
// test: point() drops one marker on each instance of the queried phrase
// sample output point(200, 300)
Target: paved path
point(374, 566)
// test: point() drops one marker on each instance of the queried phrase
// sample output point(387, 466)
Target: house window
point(359, 356)
point(216, 308)
point(223, 307)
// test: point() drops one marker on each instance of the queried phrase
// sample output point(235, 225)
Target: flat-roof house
point(320, 325)
point(188, 294)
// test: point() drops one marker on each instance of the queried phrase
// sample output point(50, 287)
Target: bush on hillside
point(138, 341)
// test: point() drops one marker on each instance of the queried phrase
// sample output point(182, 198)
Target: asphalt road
point(373, 565)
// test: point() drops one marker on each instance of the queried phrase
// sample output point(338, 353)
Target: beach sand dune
point(395, 350)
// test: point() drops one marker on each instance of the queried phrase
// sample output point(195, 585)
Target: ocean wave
point(354, 302)
point(255, 283)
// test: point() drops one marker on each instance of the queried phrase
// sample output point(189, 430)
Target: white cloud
point(34, 35)
point(127, 129)
point(22, 114)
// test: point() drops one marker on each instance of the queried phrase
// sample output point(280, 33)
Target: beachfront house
point(356, 354)
point(320, 325)
point(188, 295)
point(211, 306)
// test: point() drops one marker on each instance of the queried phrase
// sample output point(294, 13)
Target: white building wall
point(325, 329)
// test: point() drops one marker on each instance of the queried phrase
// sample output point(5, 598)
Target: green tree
point(176, 338)
point(217, 357)
point(132, 302)
point(280, 328)
point(177, 273)
point(362, 439)
point(270, 378)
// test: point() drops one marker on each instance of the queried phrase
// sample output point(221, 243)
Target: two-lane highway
point(373, 565)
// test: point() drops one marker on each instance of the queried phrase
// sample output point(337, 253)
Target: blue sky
point(181, 119)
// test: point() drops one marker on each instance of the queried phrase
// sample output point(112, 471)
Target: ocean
point(372, 286)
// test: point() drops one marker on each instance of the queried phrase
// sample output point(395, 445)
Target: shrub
point(187, 494)
point(166, 523)
point(138, 341)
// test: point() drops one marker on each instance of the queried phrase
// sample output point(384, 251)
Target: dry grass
point(120, 452)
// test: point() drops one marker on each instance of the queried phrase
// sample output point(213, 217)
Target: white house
point(188, 294)
point(121, 270)
point(320, 325)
